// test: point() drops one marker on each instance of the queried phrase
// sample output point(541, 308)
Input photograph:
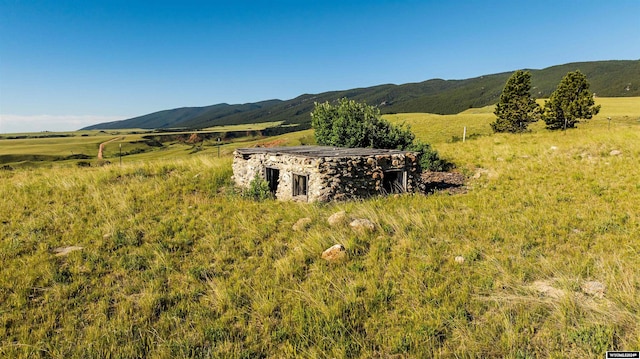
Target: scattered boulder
point(553, 148)
point(335, 253)
point(63, 251)
point(362, 224)
point(459, 259)
point(593, 288)
point(615, 153)
point(546, 289)
point(337, 218)
point(480, 172)
point(302, 224)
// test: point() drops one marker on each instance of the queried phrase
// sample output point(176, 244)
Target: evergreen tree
point(516, 108)
point(570, 102)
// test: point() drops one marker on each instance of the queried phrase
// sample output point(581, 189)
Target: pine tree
point(516, 108)
point(570, 102)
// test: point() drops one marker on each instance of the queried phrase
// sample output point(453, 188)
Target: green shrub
point(258, 189)
point(429, 159)
point(355, 124)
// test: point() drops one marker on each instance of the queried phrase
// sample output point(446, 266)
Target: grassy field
point(175, 263)
point(450, 128)
point(69, 148)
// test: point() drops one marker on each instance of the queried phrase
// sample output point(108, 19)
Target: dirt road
point(101, 149)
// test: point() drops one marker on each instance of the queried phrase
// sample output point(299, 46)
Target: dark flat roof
point(319, 151)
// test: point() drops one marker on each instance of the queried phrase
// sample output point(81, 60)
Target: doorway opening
point(299, 185)
point(272, 176)
point(395, 181)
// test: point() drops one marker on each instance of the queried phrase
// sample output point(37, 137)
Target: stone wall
point(245, 168)
point(329, 178)
point(359, 177)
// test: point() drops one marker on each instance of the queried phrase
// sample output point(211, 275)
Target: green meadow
point(64, 148)
point(167, 260)
point(437, 129)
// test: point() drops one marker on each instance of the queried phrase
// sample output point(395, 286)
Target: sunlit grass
point(445, 128)
point(244, 127)
point(45, 149)
point(435, 129)
point(176, 264)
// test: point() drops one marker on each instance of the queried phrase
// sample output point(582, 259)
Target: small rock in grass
point(553, 148)
point(615, 153)
point(106, 236)
point(362, 224)
point(594, 288)
point(334, 253)
point(546, 289)
point(302, 224)
point(480, 172)
point(337, 218)
point(459, 259)
point(63, 251)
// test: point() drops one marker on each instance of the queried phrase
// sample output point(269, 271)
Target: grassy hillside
point(607, 78)
point(174, 263)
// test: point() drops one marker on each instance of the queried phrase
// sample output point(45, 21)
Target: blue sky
point(68, 64)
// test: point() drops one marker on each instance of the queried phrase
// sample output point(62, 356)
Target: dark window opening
point(299, 185)
point(272, 175)
point(394, 182)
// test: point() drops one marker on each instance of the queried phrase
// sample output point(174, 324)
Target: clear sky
point(68, 64)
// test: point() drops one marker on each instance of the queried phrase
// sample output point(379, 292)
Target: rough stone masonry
point(320, 173)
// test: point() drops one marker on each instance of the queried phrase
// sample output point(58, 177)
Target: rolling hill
point(617, 78)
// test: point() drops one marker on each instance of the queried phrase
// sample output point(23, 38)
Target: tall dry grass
point(175, 263)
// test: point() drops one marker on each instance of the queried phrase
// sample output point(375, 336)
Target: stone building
point(318, 173)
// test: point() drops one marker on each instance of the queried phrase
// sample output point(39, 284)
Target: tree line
point(568, 104)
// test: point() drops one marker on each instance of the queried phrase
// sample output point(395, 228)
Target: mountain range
point(616, 78)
